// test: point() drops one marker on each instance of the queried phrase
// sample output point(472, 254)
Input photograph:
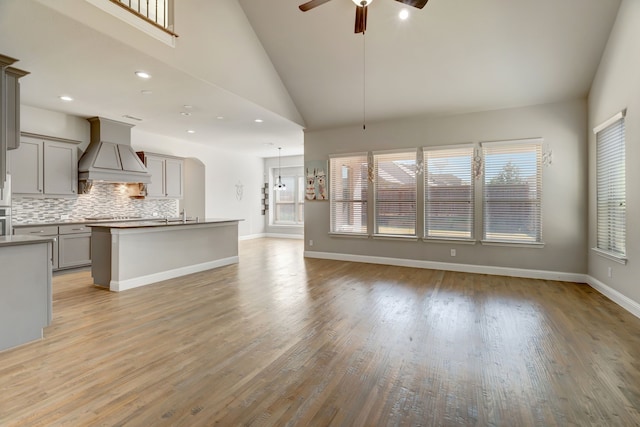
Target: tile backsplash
point(103, 199)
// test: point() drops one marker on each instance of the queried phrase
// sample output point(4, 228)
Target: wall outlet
point(65, 216)
point(310, 242)
point(453, 252)
point(610, 272)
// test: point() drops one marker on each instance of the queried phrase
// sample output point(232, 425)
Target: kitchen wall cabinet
point(167, 175)
point(45, 166)
point(47, 231)
point(9, 110)
point(74, 246)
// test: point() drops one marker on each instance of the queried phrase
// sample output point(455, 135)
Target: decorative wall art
point(316, 174)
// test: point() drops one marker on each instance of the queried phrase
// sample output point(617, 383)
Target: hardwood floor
point(282, 340)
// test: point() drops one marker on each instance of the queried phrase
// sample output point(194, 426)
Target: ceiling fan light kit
point(361, 9)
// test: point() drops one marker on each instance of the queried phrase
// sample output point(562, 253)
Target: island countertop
point(13, 240)
point(171, 222)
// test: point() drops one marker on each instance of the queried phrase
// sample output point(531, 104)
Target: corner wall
point(564, 201)
point(615, 87)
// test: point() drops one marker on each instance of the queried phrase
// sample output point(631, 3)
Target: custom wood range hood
point(110, 157)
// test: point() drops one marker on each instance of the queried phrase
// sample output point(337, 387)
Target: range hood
point(110, 157)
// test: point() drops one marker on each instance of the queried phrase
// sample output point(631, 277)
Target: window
point(348, 194)
point(449, 192)
point(610, 186)
point(512, 191)
point(289, 203)
point(395, 193)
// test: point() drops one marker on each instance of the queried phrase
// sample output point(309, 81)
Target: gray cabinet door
point(173, 178)
point(60, 168)
point(74, 250)
point(27, 163)
point(155, 166)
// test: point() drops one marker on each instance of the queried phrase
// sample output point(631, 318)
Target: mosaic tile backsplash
point(104, 199)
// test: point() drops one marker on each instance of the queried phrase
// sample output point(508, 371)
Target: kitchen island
point(127, 255)
point(25, 289)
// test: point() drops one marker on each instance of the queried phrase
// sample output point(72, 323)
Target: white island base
point(129, 255)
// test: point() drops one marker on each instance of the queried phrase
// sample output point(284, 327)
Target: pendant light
point(279, 185)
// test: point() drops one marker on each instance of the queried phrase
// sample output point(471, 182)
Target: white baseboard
point(285, 236)
point(252, 236)
point(447, 266)
point(123, 285)
point(623, 301)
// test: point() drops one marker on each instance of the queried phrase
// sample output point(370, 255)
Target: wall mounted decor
point(317, 180)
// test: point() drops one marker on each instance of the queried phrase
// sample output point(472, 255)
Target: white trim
point(395, 237)
point(450, 147)
point(622, 300)
point(136, 282)
point(464, 268)
point(396, 151)
point(538, 140)
point(610, 121)
point(345, 234)
point(285, 236)
point(449, 241)
point(252, 236)
point(338, 156)
point(611, 256)
point(512, 244)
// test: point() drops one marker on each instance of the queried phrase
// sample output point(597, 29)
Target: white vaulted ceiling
point(247, 59)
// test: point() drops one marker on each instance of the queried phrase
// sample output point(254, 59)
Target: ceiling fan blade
point(311, 4)
point(361, 19)
point(415, 3)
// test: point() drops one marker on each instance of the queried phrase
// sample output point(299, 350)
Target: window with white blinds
point(611, 189)
point(395, 193)
point(512, 191)
point(448, 192)
point(348, 194)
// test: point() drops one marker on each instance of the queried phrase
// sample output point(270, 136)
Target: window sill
point(284, 225)
point(536, 245)
point(393, 237)
point(608, 255)
point(449, 241)
point(354, 235)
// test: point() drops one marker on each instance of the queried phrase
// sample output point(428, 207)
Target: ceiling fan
point(361, 9)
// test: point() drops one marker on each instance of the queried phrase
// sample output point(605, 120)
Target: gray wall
point(563, 127)
point(615, 87)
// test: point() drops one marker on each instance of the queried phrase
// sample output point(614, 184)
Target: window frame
point(376, 155)
point(511, 237)
point(616, 229)
point(298, 183)
point(336, 190)
point(471, 201)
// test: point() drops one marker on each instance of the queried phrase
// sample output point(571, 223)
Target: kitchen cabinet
point(45, 166)
point(43, 231)
point(71, 244)
point(167, 175)
point(74, 246)
point(9, 110)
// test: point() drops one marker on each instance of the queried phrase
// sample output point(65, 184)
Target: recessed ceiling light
point(66, 98)
point(146, 92)
point(185, 113)
point(404, 14)
point(188, 107)
point(268, 144)
point(258, 120)
point(191, 131)
point(220, 117)
point(143, 74)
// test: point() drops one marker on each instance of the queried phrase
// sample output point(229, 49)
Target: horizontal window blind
point(348, 194)
point(512, 191)
point(449, 193)
point(611, 188)
point(395, 193)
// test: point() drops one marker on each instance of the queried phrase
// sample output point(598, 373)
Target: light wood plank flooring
point(281, 340)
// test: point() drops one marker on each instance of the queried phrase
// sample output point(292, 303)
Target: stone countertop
point(171, 222)
point(22, 240)
point(82, 221)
